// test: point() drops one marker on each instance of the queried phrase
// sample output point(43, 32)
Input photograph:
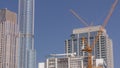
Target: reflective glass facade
point(26, 34)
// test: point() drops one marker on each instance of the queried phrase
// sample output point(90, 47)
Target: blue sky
point(54, 23)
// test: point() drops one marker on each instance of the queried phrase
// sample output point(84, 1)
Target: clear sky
point(54, 23)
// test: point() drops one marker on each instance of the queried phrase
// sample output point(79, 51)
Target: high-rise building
point(102, 49)
point(27, 53)
point(8, 36)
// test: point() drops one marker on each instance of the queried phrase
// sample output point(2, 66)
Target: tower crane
point(89, 48)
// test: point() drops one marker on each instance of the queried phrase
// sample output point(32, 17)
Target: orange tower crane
point(89, 48)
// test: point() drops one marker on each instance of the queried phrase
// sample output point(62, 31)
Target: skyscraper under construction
point(103, 48)
point(26, 34)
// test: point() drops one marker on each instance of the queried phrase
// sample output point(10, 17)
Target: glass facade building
point(27, 53)
point(102, 49)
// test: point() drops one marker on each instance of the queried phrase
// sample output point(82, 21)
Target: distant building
point(41, 65)
point(70, 61)
point(8, 36)
point(102, 50)
point(64, 62)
